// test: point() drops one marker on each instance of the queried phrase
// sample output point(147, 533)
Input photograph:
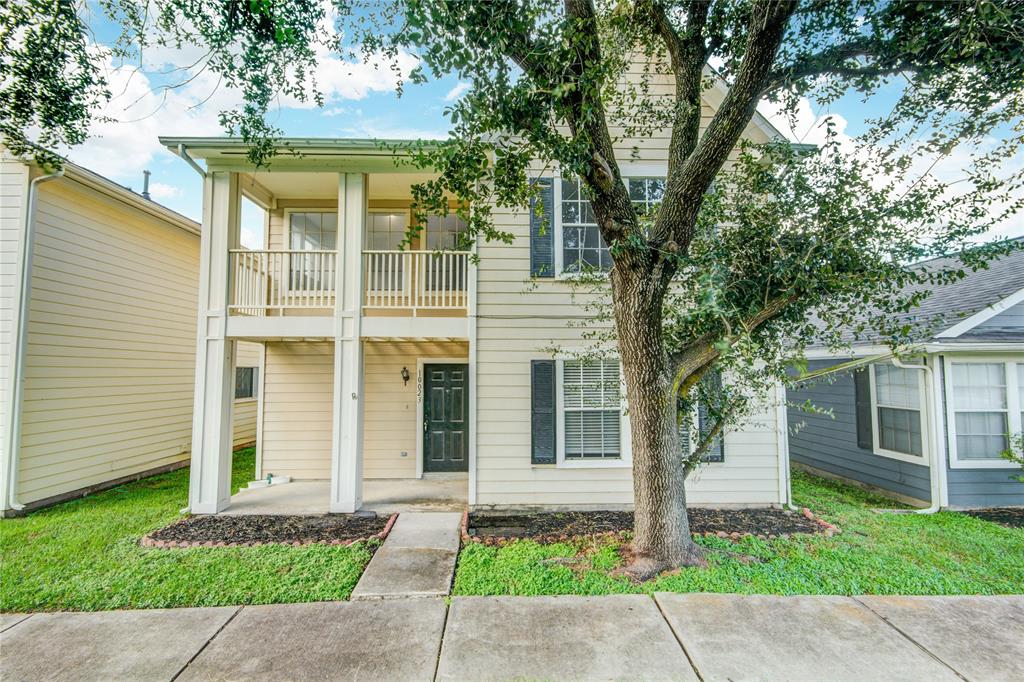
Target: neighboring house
point(931, 434)
point(97, 336)
point(381, 363)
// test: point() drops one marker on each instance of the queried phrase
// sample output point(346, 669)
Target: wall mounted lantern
point(405, 376)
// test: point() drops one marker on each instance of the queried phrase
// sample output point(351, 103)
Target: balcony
point(301, 282)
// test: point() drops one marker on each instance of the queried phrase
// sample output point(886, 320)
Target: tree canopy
point(750, 252)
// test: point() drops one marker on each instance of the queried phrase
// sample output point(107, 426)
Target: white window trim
point(625, 458)
point(288, 239)
point(926, 456)
point(556, 213)
point(1013, 407)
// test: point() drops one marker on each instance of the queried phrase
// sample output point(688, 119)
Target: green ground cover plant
point(946, 553)
point(84, 556)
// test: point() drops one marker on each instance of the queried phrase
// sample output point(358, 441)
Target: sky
point(360, 102)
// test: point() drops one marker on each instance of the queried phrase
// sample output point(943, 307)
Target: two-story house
point(383, 363)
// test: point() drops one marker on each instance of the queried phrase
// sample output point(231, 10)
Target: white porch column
point(210, 477)
point(347, 433)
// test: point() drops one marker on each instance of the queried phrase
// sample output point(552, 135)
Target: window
point(592, 410)
point(310, 231)
point(583, 248)
point(695, 422)
point(645, 193)
point(443, 232)
point(385, 232)
point(898, 410)
point(981, 409)
point(246, 382)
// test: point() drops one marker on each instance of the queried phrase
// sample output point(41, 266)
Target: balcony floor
point(381, 495)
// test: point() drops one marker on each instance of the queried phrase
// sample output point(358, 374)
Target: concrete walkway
point(417, 558)
point(667, 637)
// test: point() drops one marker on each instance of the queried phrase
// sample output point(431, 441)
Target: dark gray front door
point(445, 418)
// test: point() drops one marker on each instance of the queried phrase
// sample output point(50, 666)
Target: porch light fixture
point(405, 376)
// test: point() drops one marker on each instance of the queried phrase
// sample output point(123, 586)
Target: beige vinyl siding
point(520, 320)
point(109, 367)
point(244, 412)
point(14, 179)
point(389, 412)
point(298, 396)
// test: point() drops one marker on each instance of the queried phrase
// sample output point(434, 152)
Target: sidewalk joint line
point(679, 640)
point(207, 643)
point(17, 622)
point(908, 637)
point(440, 642)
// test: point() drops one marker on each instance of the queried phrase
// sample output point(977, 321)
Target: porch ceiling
point(324, 185)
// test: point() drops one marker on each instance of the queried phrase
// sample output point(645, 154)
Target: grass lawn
point(947, 553)
point(84, 555)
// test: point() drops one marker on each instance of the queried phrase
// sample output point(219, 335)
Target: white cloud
point(161, 190)
point(458, 91)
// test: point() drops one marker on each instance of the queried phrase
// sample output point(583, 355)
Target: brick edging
point(149, 541)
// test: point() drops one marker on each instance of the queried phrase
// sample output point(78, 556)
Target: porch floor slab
point(417, 558)
point(381, 495)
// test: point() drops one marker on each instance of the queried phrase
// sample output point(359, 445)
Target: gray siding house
point(927, 430)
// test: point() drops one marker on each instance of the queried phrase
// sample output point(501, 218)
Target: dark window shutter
point(542, 412)
point(716, 453)
point(542, 230)
point(862, 400)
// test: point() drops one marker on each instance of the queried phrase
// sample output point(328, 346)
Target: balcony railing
point(273, 281)
point(283, 279)
point(416, 280)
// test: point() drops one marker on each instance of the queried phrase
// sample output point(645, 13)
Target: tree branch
point(836, 60)
point(685, 187)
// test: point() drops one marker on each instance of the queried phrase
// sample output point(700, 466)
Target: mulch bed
point(1011, 517)
point(492, 528)
point(265, 529)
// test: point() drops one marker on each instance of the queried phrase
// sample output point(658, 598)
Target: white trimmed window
point(646, 193)
point(310, 231)
point(985, 403)
point(581, 248)
point(590, 412)
point(898, 423)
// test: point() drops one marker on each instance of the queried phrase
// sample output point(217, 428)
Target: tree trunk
point(661, 539)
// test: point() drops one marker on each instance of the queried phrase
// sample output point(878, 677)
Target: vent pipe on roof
point(145, 184)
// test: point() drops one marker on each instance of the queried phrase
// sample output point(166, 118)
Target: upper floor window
point(646, 193)
point(313, 231)
point(443, 232)
point(583, 248)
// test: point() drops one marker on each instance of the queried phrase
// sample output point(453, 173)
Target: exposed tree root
point(641, 568)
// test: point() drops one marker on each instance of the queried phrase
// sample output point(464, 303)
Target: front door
point(445, 418)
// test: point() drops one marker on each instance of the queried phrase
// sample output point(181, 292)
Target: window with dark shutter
point(542, 412)
point(542, 228)
point(246, 380)
point(862, 400)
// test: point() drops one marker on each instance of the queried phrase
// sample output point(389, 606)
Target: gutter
point(17, 381)
point(182, 151)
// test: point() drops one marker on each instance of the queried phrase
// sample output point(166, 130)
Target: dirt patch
point(489, 527)
point(260, 529)
point(1011, 517)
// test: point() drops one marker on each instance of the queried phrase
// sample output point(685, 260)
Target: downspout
point(933, 446)
point(18, 369)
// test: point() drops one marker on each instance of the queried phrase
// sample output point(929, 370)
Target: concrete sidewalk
point(667, 637)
